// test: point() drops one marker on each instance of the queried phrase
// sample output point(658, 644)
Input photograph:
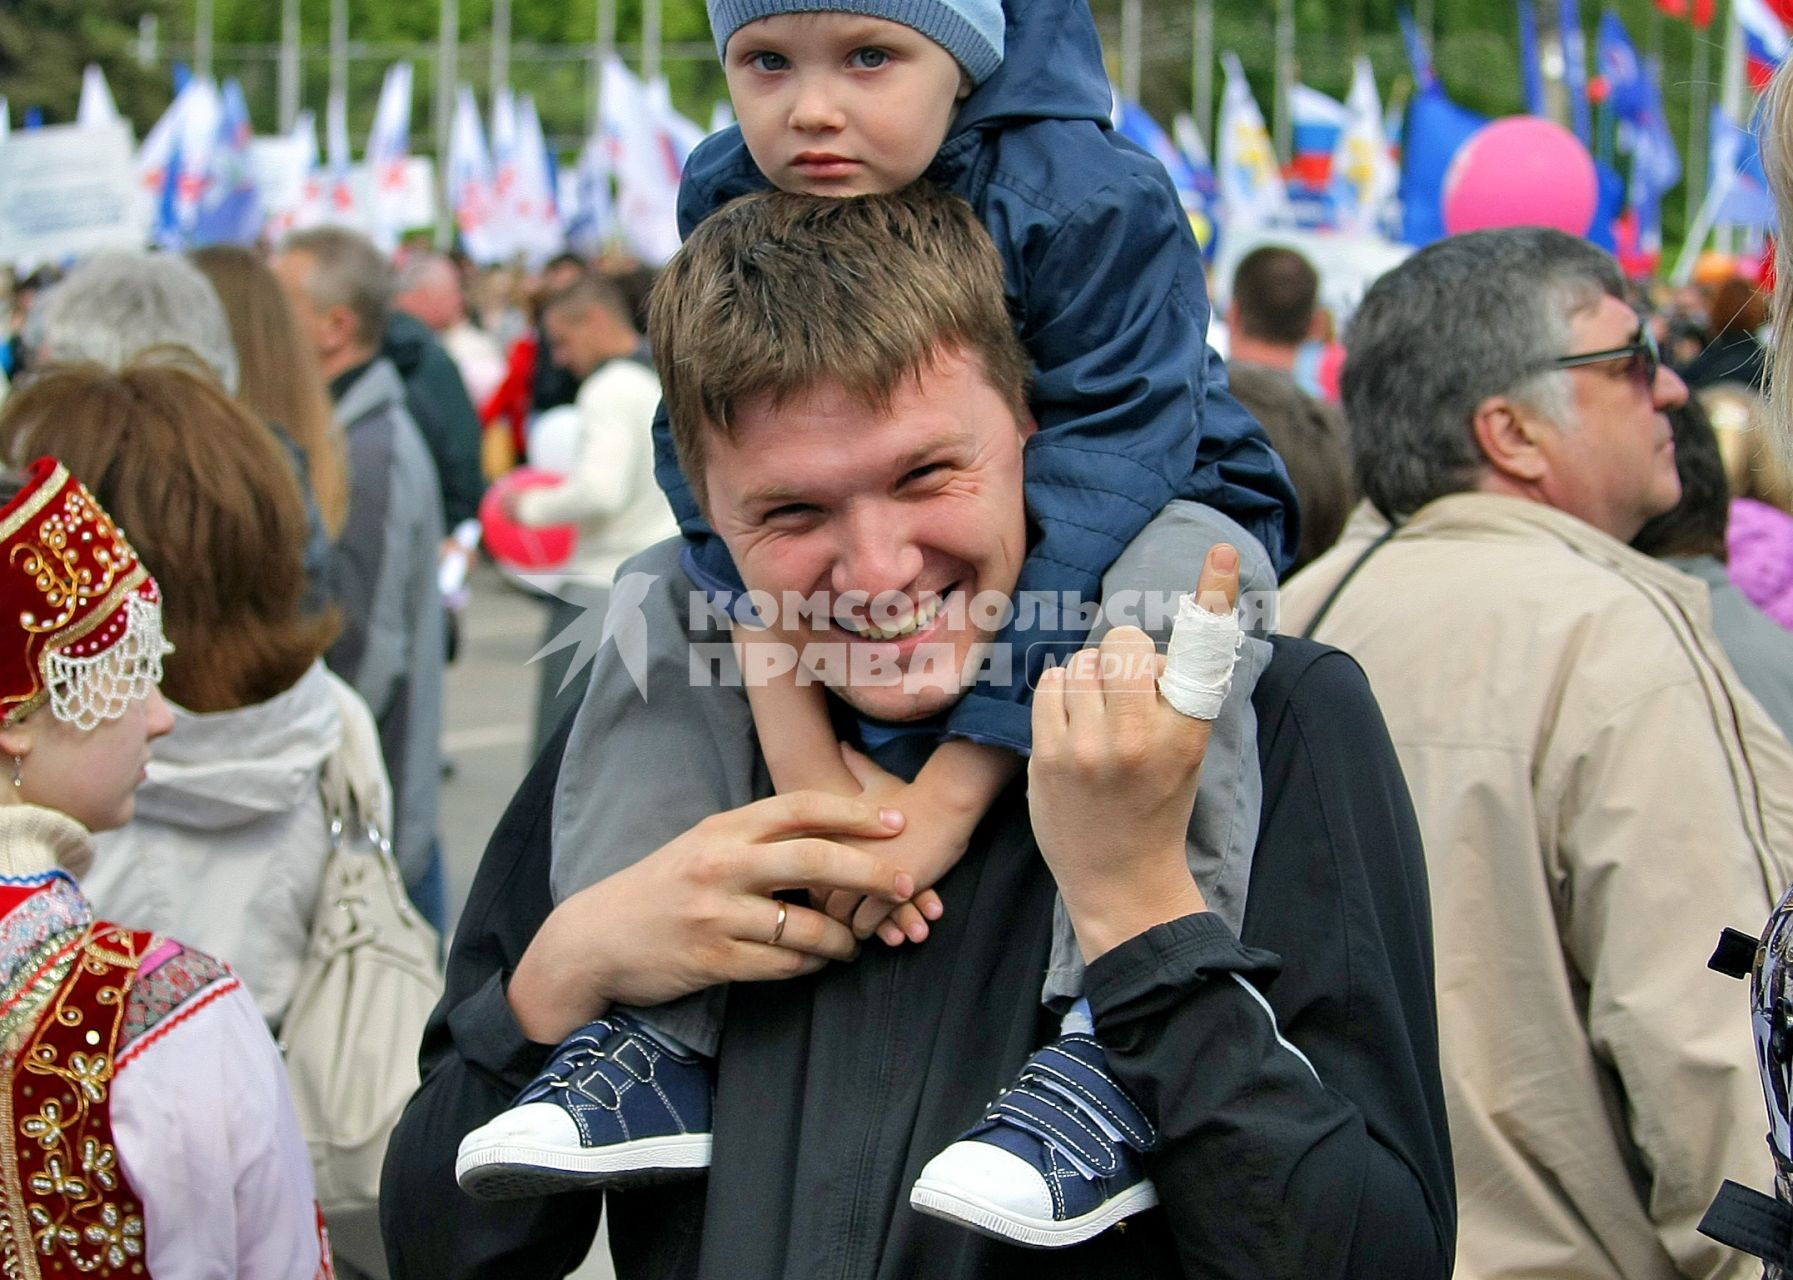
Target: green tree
point(45, 44)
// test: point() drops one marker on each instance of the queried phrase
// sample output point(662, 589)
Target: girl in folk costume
point(145, 1126)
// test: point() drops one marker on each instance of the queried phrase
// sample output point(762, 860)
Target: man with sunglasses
point(1598, 794)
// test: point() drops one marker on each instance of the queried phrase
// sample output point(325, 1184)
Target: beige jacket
point(1599, 797)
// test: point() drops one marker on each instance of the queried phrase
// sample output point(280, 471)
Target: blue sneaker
point(1055, 1161)
point(615, 1107)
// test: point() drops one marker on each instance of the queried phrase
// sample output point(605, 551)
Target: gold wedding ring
point(784, 913)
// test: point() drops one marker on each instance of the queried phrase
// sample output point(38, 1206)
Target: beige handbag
point(370, 977)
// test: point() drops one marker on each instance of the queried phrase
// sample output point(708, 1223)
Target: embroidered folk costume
point(145, 1128)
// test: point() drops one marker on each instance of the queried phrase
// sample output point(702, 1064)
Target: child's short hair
point(777, 293)
point(970, 30)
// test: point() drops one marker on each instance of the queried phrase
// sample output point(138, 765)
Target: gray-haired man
point(1598, 794)
point(391, 644)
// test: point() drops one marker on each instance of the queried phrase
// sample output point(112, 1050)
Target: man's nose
point(1668, 392)
point(877, 554)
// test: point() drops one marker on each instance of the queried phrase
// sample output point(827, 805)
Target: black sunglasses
point(1644, 357)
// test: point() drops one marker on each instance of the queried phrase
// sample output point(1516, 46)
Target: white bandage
point(1198, 669)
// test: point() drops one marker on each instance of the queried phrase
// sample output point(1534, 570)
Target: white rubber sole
point(507, 1171)
point(940, 1201)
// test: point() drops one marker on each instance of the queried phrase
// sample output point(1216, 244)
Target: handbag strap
point(1382, 540)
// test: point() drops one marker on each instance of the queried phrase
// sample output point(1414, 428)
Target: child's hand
point(928, 857)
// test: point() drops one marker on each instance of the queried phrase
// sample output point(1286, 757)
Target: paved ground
point(486, 737)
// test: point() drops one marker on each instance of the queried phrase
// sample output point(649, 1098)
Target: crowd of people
point(886, 901)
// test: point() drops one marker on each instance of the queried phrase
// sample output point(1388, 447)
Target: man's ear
point(1508, 436)
point(339, 326)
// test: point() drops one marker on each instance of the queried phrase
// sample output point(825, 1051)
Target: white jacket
point(611, 493)
point(227, 848)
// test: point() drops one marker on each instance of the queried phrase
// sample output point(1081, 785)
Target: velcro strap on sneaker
point(1066, 1066)
point(633, 1056)
point(1058, 1123)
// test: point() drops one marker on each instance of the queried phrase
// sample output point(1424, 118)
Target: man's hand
point(1113, 779)
point(699, 910)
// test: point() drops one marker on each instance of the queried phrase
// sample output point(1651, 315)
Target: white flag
point(470, 183)
point(388, 147)
point(533, 203)
point(5, 118)
point(97, 110)
point(1251, 186)
point(195, 140)
point(1364, 175)
point(646, 179)
point(722, 115)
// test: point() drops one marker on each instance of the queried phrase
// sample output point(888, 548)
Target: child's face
point(840, 104)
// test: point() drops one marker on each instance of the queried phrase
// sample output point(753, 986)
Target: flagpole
point(339, 49)
point(202, 40)
point(650, 40)
point(1130, 24)
point(603, 45)
point(501, 45)
point(1700, 101)
point(448, 48)
point(287, 89)
point(1735, 92)
point(1285, 70)
point(1201, 73)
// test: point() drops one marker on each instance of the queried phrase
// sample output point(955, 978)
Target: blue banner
point(1531, 67)
point(1575, 67)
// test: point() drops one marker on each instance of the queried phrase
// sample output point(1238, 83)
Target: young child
point(850, 97)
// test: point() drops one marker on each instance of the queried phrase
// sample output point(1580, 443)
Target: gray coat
point(391, 647)
point(1758, 646)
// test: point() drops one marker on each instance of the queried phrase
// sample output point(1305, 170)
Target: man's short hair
point(1276, 291)
point(1474, 316)
point(1310, 436)
point(347, 270)
point(586, 292)
point(776, 294)
point(114, 305)
point(1697, 524)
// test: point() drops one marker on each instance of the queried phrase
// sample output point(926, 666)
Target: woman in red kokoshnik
point(145, 1126)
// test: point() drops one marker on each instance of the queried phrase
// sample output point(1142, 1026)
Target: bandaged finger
point(1198, 668)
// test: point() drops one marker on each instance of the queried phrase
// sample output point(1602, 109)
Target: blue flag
point(1418, 56)
point(1736, 181)
point(1575, 67)
point(1437, 128)
point(1530, 65)
point(1623, 69)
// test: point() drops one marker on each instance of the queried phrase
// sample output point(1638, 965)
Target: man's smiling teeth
point(918, 620)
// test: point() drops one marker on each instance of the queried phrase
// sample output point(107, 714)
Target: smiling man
point(849, 398)
point(1598, 793)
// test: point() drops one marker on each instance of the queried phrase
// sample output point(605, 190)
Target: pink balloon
point(1523, 171)
point(518, 546)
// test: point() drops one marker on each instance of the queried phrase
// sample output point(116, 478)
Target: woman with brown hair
point(228, 845)
point(278, 376)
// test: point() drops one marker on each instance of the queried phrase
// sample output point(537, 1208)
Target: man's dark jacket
point(1311, 1146)
point(437, 398)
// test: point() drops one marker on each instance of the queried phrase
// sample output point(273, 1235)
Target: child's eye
point(870, 58)
point(765, 60)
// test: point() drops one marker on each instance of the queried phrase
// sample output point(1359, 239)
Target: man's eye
point(870, 58)
point(789, 513)
point(767, 61)
point(932, 470)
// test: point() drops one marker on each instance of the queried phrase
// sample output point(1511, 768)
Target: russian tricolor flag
point(1317, 123)
point(1764, 40)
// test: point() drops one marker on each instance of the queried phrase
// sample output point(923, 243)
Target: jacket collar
point(1492, 515)
point(376, 390)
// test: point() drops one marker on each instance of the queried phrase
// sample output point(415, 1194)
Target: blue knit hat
point(970, 30)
